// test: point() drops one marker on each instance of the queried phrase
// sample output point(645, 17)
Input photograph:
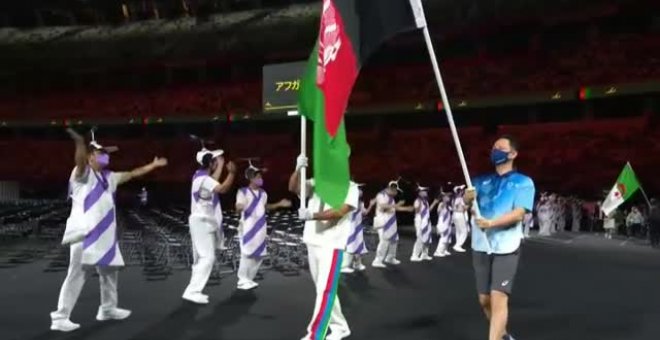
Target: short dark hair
point(207, 159)
point(513, 141)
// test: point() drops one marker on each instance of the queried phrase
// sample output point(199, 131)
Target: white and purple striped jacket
point(93, 211)
point(253, 227)
point(355, 243)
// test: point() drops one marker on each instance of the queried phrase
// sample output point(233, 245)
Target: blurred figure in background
point(634, 222)
point(654, 223)
point(459, 219)
point(444, 225)
point(144, 197)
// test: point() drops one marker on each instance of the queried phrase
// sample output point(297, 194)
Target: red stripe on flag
point(337, 66)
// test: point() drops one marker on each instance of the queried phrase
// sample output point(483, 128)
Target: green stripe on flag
point(330, 155)
point(627, 182)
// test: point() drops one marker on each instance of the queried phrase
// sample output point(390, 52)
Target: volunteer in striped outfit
point(355, 247)
point(443, 226)
point(206, 218)
point(91, 231)
point(422, 225)
point(252, 204)
point(459, 218)
point(325, 233)
point(385, 223)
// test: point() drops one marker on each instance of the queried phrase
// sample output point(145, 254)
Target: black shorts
point(495, 271)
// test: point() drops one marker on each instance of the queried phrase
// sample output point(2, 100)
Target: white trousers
point(386, 250)
point(545, 224)
point(420, 246)
point(444, 237)
point(248, 268)
point(461, 229)
point(74, 281)
point(352, 261)
point(203, 247)
point(326, 280)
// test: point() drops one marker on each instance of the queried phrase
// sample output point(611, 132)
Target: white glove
point(301, 162)
point(305, 215)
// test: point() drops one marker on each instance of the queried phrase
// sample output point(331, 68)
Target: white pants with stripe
point(203, 236)
point(460, 223)
point(386, 250)
point(420, 248)
point(324, 276)
point(248, 268)
point(74, 281)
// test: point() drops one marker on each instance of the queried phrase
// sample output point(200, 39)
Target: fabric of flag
point(350, 31)
point(626, 185)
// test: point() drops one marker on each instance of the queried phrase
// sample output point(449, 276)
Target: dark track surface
point(581, 288)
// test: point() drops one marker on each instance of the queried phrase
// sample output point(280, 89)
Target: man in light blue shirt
point(503, 198)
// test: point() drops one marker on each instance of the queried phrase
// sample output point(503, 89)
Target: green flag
point(626, 185)
point(330, 154)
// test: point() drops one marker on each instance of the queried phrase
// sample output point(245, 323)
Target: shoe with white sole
point(459, 249)
point(248, 285)
point(198, 298)
point(360, 267)
point(415, 259)
point(426, 257)
point(113, 314)
point(393, 262)
point(63, 326)
point(378, 264)
point(347, 270)
point(338, 335)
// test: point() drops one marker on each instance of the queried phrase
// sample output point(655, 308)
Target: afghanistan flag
point(350, 31)
point(626, 185)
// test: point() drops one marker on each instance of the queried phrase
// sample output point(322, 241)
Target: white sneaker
point(415, 259)
point(378, 264)
point(198, 298)
point(393, 261)
point(113, 314)
point(360, 267)
point(248, 285)
point(63, 325)
point(347, 270)
point(426, 257)
point(439, 254)
point(338, 335)
point(459, 249)
point(446, 253)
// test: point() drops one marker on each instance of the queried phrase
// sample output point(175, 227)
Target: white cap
point(421, 188)
point(252, 169)
point(99, 147)
point(394, 184)
point(459, 188)
point(203, 152)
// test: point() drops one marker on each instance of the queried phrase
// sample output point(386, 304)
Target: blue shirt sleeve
point(524, 197)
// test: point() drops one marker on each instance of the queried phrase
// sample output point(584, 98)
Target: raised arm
point(80, 157)
point(294, 180)
point(143, 170)
point(435, 202)
point(224, 187)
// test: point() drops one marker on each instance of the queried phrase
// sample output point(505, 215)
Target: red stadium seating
point(615, 59)
point(567, 157)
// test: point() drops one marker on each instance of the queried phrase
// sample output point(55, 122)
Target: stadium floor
point(567, 289)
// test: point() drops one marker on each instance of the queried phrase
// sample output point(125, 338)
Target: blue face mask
point(498, 157)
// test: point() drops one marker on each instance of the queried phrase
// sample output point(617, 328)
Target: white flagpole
point(420, 18)
point(303, 171)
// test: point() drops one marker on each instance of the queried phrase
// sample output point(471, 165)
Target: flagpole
point(418, 10)
point(303, 170)
point(640, 187)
